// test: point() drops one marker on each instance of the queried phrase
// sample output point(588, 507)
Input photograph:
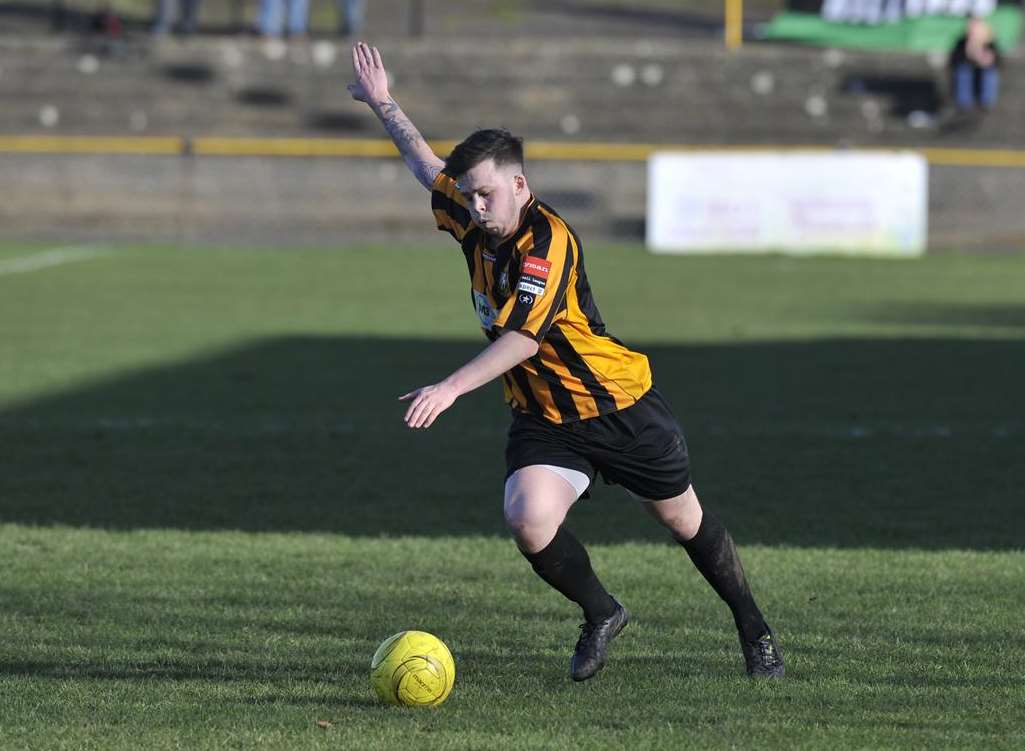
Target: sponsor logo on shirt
point(532, 288)
point(533, 277)
point(485, 310)
point(538, 267)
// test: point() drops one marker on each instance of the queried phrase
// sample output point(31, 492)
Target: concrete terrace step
point(659, 90)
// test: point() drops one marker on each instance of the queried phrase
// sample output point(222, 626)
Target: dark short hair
point(494, 143)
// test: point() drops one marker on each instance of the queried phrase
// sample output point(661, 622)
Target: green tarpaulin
point(925, 33)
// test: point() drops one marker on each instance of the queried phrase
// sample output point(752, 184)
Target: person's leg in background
point(351, 16)
point(298, 17)
point(166, 12)
point(189, 15)
point(271, 17)
point(963, 84)
point(989, 87)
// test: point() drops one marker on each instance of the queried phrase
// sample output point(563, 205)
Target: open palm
point(371, 84)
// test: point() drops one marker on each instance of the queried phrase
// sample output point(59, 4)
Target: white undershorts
point(577, 479)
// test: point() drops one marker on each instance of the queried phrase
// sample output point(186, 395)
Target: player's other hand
point(427, 403)
point(371, 79)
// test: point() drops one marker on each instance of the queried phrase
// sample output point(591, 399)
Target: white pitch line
point(50, 258)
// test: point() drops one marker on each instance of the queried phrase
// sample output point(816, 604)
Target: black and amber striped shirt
point(534, 282)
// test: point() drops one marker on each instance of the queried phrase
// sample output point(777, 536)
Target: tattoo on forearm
point(427, 174)
point(409, 142)
point(399, 127)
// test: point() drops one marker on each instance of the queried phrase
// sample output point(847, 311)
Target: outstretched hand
point(371, 79)
point(427, 403)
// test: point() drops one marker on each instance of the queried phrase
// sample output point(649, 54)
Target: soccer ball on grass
point(413, 668)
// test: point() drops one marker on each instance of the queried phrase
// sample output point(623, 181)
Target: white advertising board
point(873, 203)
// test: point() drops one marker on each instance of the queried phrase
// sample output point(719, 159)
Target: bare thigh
point(536, 503)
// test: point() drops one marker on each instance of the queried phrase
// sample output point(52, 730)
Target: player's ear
point(519, 182)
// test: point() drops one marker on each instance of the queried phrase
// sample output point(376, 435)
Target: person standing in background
point(284, 16)
point(168, 11)
point(351, 16)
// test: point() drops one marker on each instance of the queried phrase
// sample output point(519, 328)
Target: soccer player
point(582, 402)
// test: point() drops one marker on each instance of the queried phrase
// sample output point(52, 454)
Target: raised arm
point(371, 86)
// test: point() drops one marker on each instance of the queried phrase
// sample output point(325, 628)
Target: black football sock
point(565, 565)
point(713, 552)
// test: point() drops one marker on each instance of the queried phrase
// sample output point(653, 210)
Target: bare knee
point(680, 515)
point(523, 514)
point(533, 524)
point(535, 506)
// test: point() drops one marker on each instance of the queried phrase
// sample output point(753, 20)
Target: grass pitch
point(211, 512)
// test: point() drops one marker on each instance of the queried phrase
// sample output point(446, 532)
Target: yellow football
point(413, 668)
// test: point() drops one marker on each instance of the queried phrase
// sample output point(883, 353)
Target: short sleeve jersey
point(534, 283)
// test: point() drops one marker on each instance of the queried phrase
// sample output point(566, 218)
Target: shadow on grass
point(902, 443)
point(547, 670)
point(983, 316)
point(183, 670)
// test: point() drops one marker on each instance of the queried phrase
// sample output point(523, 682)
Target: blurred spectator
point(974, 63)
point(351, 15)
point(168, 10)
point(105, 21)
point(290, 16)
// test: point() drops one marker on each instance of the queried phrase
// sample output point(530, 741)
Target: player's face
point(494, 196)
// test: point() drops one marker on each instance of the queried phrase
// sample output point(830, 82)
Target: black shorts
point(640, 447)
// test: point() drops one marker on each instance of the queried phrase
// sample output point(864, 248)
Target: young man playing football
point(583, 403)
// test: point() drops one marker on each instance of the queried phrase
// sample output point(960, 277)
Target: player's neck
point(493, 242)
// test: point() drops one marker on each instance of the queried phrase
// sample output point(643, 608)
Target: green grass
point(210, 512)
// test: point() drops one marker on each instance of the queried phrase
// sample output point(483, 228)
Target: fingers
point(355, 59)
point(413, 407)
point(432, 417)
point(427, 403)
point(422, 412)
point(416, 413)
point(377, 58)
point(365, 57)
point(427, 417)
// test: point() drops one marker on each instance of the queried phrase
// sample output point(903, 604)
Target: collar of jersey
point(520, 229)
